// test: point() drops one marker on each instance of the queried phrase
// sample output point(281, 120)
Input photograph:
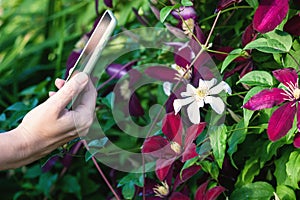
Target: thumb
point(69, 91)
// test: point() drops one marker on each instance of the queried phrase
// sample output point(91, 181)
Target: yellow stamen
point(176, 147)
point(161, 190)
point(296, 93)
point(188, 27)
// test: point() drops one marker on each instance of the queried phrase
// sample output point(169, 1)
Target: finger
point(83, 111)
point(70, 90)
point(87, 100)
point(59, 83)
point(51, 93)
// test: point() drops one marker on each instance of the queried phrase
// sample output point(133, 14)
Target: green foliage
point(38, 36)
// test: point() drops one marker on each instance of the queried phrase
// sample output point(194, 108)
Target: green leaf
point(211, 168)
point(98, 143)
point(251, 169)
point(186, 3)
point(128, 190)
point(230, 57)
point(266, 46)
point(282, 37)
point(280, 168)
point(236, 138)
point(70, 185)
point(164, 12)
point(253, 191)
point(275, 42)
point(293, 169)
point(285, 193)
point(218, 136)
point(45, 182)
point(291, 59)
point(248, 113)
point(136, 178)
point(189, 163)
point(253, 3)
point(257, 78)
point(33, 172)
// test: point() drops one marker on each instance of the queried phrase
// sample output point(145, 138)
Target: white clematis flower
point(197, 97)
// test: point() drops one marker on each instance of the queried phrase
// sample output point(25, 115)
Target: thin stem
point(212, 28)
point(249, 127)
point(218, 52)
point(226, 10)
point(101, 172)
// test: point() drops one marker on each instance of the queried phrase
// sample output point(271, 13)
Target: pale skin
point(50, 125)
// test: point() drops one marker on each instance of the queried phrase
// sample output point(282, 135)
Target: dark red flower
point(176, 144)
point(270, 14)
point(226, 3)
point(292, 25)
point(282, 119)
point(203, 194)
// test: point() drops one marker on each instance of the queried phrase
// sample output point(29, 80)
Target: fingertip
point(51, 93)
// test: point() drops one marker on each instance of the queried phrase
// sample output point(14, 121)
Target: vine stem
point(101, 172)
point(203, 48)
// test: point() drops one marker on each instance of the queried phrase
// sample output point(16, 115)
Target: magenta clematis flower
point(168, 189)
point(203, 194)
point(176, 144)
point(270, 14)
point(282, 119)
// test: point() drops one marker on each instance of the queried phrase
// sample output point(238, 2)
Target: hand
point(51, 125)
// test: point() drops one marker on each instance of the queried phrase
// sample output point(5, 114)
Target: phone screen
point(94, 46)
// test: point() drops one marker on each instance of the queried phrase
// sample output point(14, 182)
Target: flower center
point(182, 72)
point(201, 93)
point(296, 93)
point(161, 190)
point(124, 90)
point(176, 147)
point(188, 27)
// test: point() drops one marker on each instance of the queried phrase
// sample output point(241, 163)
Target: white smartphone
point(93, 48)
point(95, 45)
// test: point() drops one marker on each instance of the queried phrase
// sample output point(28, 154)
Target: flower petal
point(200, 193)
point(281, 121)
point(270, 14)
point(297, 140)
point(214, 192)
point(186, 175)
point(108, 3)
point(216, 104)
point(161, 73)
point(178, 196)
point(267, 98)
point(184, 57)
point(184, 12)
point(162, 168)
point(172, 127)
point(286, 76)
point(194, 113)
point(178, 103)
point(155, 146)
point(189, 152)
point(190, 90)
point(175, 31)
point(249, 35)
point(292, 25)
point(218, 88)
point(192, 132)
point(226, 3)
point(135, 107)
